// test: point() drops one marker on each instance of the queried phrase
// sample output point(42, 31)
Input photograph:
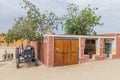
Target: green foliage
point(49, 23)
point(3, 34)
point(10, 36)
point(33, 25)
point(81, 22)
point(45, 22)
point(22, 29)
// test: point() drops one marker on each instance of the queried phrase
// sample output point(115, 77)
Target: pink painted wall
point(83, 58)
point(51, 51)
point(118, 45)
point(101, 46)
point(117, 35)
point(43, 51)
point(47, 50)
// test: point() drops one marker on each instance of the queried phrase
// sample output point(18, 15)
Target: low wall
point(8, 49)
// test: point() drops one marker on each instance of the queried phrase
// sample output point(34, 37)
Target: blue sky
point(108, 9)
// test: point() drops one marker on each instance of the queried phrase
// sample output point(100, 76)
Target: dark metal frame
point(28, 55)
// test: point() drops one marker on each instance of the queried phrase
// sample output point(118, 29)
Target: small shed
point(61, 50)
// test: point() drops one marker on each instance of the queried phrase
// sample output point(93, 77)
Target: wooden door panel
point(67, 59)
point(66, 52)
point(74, 51)
point(58, 45)
point(75, 45)
point(66, 44)
point(58, 59)
point(74, 58)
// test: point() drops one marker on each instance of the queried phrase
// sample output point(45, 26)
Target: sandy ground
point(97, 70)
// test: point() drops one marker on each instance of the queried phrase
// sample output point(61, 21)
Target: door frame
point(108, 54)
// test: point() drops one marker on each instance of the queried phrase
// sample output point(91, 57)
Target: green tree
point(10, 36)
point(50, 22)
point(44, 22)
point(21, 30)
point(33, 25)
point(81, 22)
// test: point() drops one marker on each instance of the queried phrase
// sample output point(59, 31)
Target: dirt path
point(98, 70)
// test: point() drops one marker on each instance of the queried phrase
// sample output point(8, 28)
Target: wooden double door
point(66, 52)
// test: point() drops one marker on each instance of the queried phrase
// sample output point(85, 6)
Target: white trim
point(111, 33)
point(80, 36)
